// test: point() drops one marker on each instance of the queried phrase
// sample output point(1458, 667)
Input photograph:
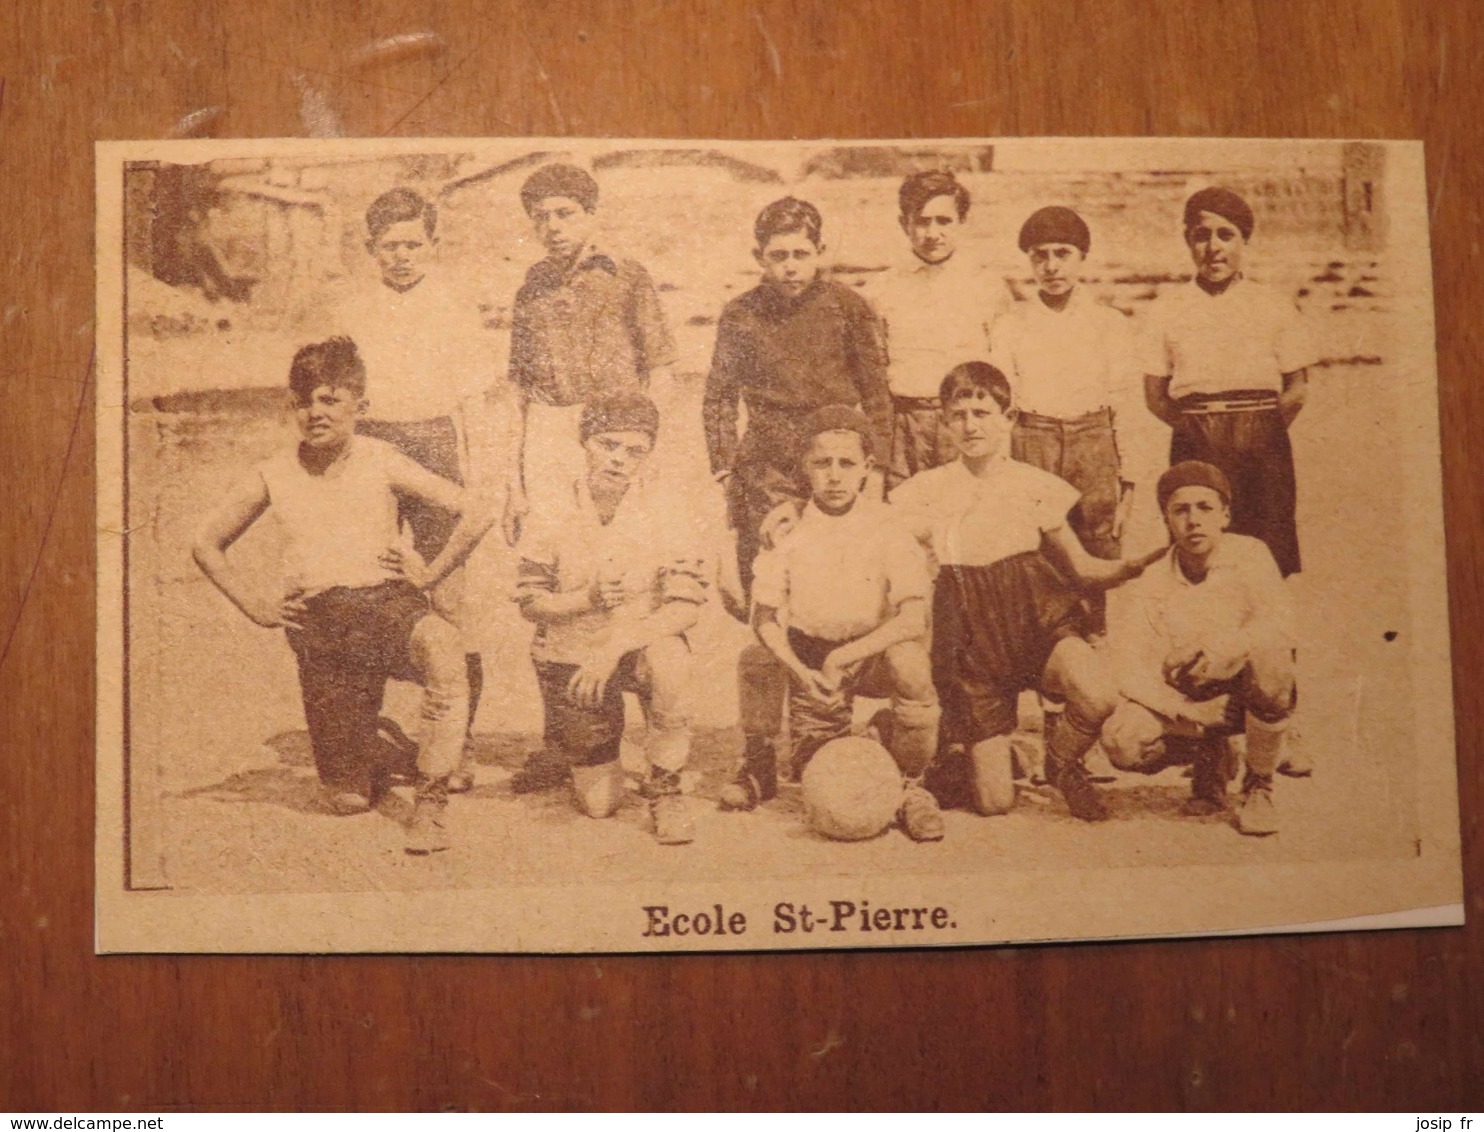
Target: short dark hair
point(396, 206)
point(969, 379)
point(1055, 224)
point(788, 215)
point(559, 180)
point(920, 188)
point(334, 362)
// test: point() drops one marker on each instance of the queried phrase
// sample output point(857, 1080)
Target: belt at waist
point(914, 404)
point(1099, 416)
point(1238, 401)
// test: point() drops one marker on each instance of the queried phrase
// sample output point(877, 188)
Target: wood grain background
point(1361, 1021)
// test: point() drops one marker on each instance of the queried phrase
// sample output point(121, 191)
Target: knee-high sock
point(1068, 739)
point(1264, 745)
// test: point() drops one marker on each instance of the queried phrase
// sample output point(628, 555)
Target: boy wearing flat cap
point(585, 325)
point(1071, 366)
point(1203, 638)
point(1225, 367)
point(612, 585)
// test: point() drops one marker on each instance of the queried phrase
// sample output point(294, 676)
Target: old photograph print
point(629, 545)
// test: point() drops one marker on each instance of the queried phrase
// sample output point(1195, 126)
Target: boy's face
point(328, 418)
point(1216, 245)
point(934, 230)
point(790, 261)
point(836, 464)
point(403, 252)
point(1197, 517)
point(562, 225)
point(978, 425)
point(1057, 268)
point(614, 459)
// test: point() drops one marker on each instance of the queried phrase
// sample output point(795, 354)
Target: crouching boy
point(612, 584)
point(1202, 639)
point(841, 601)
point(353, 600)
point(1007, 610)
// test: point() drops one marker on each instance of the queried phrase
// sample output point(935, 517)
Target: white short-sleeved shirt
point(426, 351)
point(1246, 337)
point(337, 524)
point(568, 547)
point(838, 577)
point(936, 317)
point(971, 520)
point(1065, 363)
point(1163, 612)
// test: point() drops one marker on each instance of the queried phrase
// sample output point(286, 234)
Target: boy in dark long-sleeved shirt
point(793, 344)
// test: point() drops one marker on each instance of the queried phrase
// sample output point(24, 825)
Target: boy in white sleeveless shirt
point(353, 600)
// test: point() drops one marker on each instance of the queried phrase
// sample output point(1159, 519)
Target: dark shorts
point(434, 444)
point(367, 629)
point(1253, 449)
point(994, 629)
point(587, 736)
point(1084, 452)
point(352, 642)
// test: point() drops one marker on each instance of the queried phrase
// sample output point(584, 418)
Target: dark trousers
point(1251, 446)
point(352, 642)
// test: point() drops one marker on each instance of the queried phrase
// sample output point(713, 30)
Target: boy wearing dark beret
point(1071, 366)
point(612, 584)
point(1225, 367)
point(1203, 638)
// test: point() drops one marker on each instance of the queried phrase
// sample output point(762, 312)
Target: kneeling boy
point(841, 601)
point(1201, 638)
point(1007, 610)
point(612, 585)
point(354, 603)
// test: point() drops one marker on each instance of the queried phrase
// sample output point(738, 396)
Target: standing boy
point(353, 599)
point(1202, 638)
point(842, 603)
point(1070, 362)
point(794, 343)
point(585, 325)
point(1007, 610)
point(613, 586)
point(425, 355)
point(935, 314)
point(1226, 369)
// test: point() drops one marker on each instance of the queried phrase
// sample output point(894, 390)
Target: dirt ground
point(217, 728)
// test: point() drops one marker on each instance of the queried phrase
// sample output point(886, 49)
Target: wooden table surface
point(1381, 1020)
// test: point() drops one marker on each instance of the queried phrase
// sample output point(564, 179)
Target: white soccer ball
point(852, 789)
